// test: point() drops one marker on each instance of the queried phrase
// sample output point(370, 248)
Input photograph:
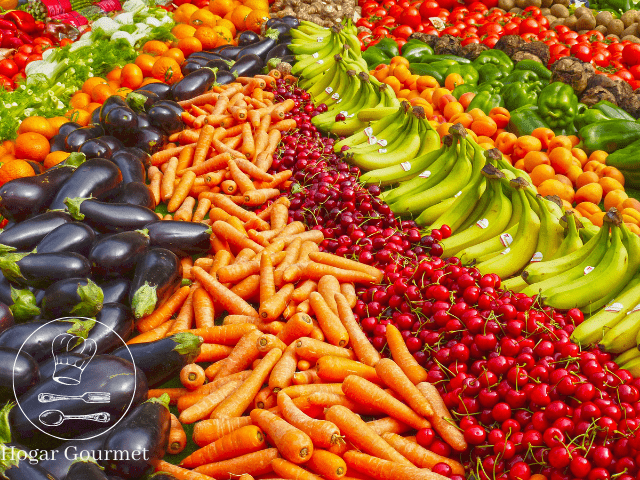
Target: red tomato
point(529, 25)
point(470, 40)
point(511, 28)
point(429, 30)
point(42, 40)
point(449, 4)
point(8, 67)
point(403, 31)
point(18, 76)
point(634, 84)
point(395, 11)
point(451, 31)
point(491, 28)
point(26, 49)
point(20, 59)
point(543, 21)
point(471, 30)
point(387, 4)
point(379, 12)
point(582, 52)
point(531, 11)
point(411, 17)
point(386, 22)
point(381, 32)
point(548, 35)
point(595, 34)
point(631, 54)
point(625, 75)
point(562, 29)
point(478, 7)
point(363, 22)
point(529, 37)
point(600, 60)
point(33, 57)
point(6, 83)
point(429, 8)
point(400, 42)
point(491, 40)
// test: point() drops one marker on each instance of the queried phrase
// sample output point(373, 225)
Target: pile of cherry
point(528, 399)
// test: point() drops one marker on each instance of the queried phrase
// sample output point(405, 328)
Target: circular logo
point(78, 393)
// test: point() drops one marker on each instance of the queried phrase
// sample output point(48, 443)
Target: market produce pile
point(334, 241)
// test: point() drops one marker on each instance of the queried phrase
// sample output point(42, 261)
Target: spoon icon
point(53, 418)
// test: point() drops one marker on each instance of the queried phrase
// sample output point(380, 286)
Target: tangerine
point(32, 146)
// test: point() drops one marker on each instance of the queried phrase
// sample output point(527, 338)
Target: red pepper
point(23, 20)
point(39, 26)
point(24, 37)
point(13, 42)
point(7, 25)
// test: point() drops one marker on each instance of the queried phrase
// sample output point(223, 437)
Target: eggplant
point(114, 326)
point(260, 48)
point(182, 238)
point(206, 55)
point(150, 99)
point(192, 85)
point(95, 148)
point(155, 276)
point(40, 270)
point(278, 51)
point(72, 296)
point(143, 120)
point(97, 178)
point(22, 198)
point(110, 217)
point(17, 370)
point(145, 429)
point(70, 451)
point(116, 255)
point(86, 470)
point(149, 139)
point(280, 27)
point(136, 193)
point(126, 386)
point(161, 89)
point(50, 366)
point(230, 52)
point(114, 101)
point(116, 291)
point(120, 121)
point(141, 155)
point(171, 105)
point(18, 465)
point(75, 139)
point(248, 66)
point(113, 143)
point(26, 235)
point(221, 65)
point(95, 117)
point(56, 144)
point(192, 66)
point(165, 118)
point(6, 317)
point(73, 237)
point(66, 128)
point(247, 38)
point(290, 20)
point(36, 337)
point(162, 359)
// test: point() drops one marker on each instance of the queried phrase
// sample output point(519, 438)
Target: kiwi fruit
point(586, 22)
point(629, 17)
point(615, 27)
point(571, 21)
point(630, 30)
point(560, 11)
point(603, 18)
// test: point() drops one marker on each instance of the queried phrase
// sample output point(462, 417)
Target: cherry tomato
point(469, 40)
point(511, 28)
point(8, 67)
point(529, 25)
point(411, 17)
point(387, 4)
point(625, 75)
point(451, 31)
point(42, 40)
point(6, 83)
point(529, 37)
point(429, 8)
point(631, 54)
point(403, 31)
point(381, 32)
point(600, 60)
point(363, 22)
point(395, 11)
point(26, 49)
point(491, 40)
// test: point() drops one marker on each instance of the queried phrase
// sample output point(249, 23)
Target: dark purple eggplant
point(37, 167)
point(66, 128)
point(192, 66)
point(26, 235)
point(49, 367)
point(56, 144)
point(67, 453)
point(6, 317)
point(278, 51)
point(165, 118)
point(95, 117)
point(290, 20)
point(224, 78)
point(18, 465)
point(114, 325)
point(230, 52)
point(149, 139)
point(206, 55)
point(97, 178)
point(116, 291)
point(162, 359)
point(86, 470)
point(145, 429)
point(75, 139)
point(161, 89)
point(110, 217)
point(141, 155)
point(126, 386)
point(155, 276)
point(171, 105)
point(72, 297)
point(143, 120)
point(120, 121)
point(40, 270)
point(73, 237)
point(141, 100)
point(181, 238)
point(113, 143)
point(248, 66)
point(95, 148)
point(116, 255)
point(247, 38)
point(281, 27)
point(5, 291)
point(136, 193)
point(18, 367)
point(25, 197)
point(36, 337)
point(114, 101)
point(192, 85)
point(221, 65)
point(260, 48)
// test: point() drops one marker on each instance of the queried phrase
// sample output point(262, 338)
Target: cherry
point(425, 437)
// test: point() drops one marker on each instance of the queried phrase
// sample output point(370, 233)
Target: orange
point(32, 146)
point(54, 158)
point(182, 30)
point(228, 25)
point(573, 173)
point(184, 12)
point(15, 169)
point(176, 54)
point(609, 184)
point(221, 7)
point(591, 192)
point(561, 159)
point(207, 36)
point(586, 178)
point(114, 75)
point(613, 172)
point(149, 80)
point(224, 35)
point(132, 76)
point(123, 92)
point(114, 85)
point(551, 187)
point(239, 16)
point(88, 85)
point(145, 62)
point(81, 117)
point(190, 45)
point(203, 17)
point(101, 92)
point(155, 47)
point(533, 159)
point(256, 19)
point(80, 100)
point(57, 122)
point(37, 124)
point(256, 4)
point(540, 173)
point(167, 70)
point(614, 198)
point(92, 106)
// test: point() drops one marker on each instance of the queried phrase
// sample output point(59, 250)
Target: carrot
point(253, 171)
point(241, 270)
point(305, 249)
point(211, 352)
point(181, 192)
point(246, 476)
point(349, 292)
point(185, 317)
point(210, 430)
point(283, 126)
point(292, 443)
point(249, 288)
point(241, 398)
point(155, 181)
point(381, 469)
point(315, 236)
point(244, 440)
point(362, 347)
point(221, 259)
point(265, 399)
point(272, 327)
point(346, 264)
point(211, 387)
point(306, 376)
point(304, 307)
point(203, 144)
point(267, 282)
point(256, 463)
point(245, 352)
point(165, 155)
point(311, 349)
point(192, 376)
point(420, 457)
point(403, 357)
point(327, 464)
point(296, 391)
point(245, 255)
point(395, 378)
point(180, 473)
point(225, 334)
point(268, 80)
point(266, 213)
point(443, 421)
point(274, 139)
point(282, 374)
point(291, 471)
point(248, 145)
point(212, 164)
point(218, 245)
point(260, 197)
point(274, 306)
point(213, 179)
point(242, 179)
point(292, 253)
point(201, 210)
point(361, 435)
point(328, 286)
point(336, 369)
point(316, 271)
point(316, 333)
point(168, 179)
point(261, 141)
point(164, 312)
point(232, 302)
point(328, 399)
point(204, 312)
point(290, 310)
point(177, 437)
point(174, 393)
point(388, 425)
point(225, 203)
point(151, 335)
point(208, 403)
point(300, 325)
point(267, 341)
point(185, 211)
point(264, 160)
point(224, 230)
point(329, 322)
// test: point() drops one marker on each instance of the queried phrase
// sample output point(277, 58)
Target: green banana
point(434, 212)
point(374, 129)
point(551, 232)
point(323, 83)
point(352, 123)
point(375, 113)
point(572, 240)
point(353, 93)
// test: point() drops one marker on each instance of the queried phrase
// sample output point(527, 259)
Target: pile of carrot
point(232, 133)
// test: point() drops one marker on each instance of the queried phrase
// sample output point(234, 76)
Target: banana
point(343, 99)
point(622, 336)
point(376, 128)
point(391, 132)
point(330, 94)
point(391, 139)
point(515, 284)
point(594, 328)
point(434, 212)
point(572, 240)
point(352, 123)
point(303, 44)
point(485, 250)
point(627, 356)
point(607, 275)
point(524, 243)
point(323, 83)
point(305, 62)
point(551, 232)
point(633, 367)
point(375, 113)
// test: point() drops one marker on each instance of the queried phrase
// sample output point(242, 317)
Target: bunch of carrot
point(233, 131)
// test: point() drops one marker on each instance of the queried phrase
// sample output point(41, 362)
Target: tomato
point(631, 54)
point(369, 8)
point(411, 17)
point(41, 47)
point(600, 60)
point(20, 59)
point(379, 12)
point(583, 38)
point(33, 57)
point(625, 75)
point(562, 29)
point(569, 35)
point(6, 83)
point(491, 28)
point(471, 30)
point(451, 31)
point(449, 4)
point(491, 40)
point(18, 76)
point(480, 7)
point(529, 25)
point(400, 42)
point(511, 28)
point(363, 22)
point(389, 22)
point(381, 32)
point(387, 4)
point(429, 8)
point(403, 31)
point(395, 11)
point(41, 41)
point(548, 35)
point(470, 40)
point(429, 30)
point(26, 49)
point(65, 41)
point(543, 21)
point(595, 34)
point(529, 37)
point(8, 67)
point(581, 52)
point(635, 84)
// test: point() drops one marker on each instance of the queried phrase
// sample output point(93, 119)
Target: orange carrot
point(305, 249)
point(246, 476)
point(151, 335)
point(292, 253)
point(336, 369)
point(242, 355)
point(225, 334)
point(282, 374)
point(388, 425)
point(283, 126)
point(168, 179)
point(164, 312)
point(212, 164)
point(315, 236)
point(273, 328)
point(443, 421)
point(210, 430)
point(329, 399)
point(211, 387)
point(267, 341)
point(203, 144)
point(244, 440)
point(329, 322)
point(328, 465)
point(192, 376)
point(155, 182)
point(185, 158)
point(300, 325)
point(201, 210)
point(248, 145)
point(256, 463)
point(174, 393)
point(316, 271)
point(260, 143)
point(225, 231)
point(266, 213)
point(264, 160)
point(213, 179)
point(225, 203)
point(221, 259)
point(290, 310)
point(207, 405)
point(177, 437)
point(241, 270)
point(296, 391)
point(316, 333)
point(403, 357)
point(291, 471)
point(395, 378)
point(292, 443)
point(253, 171)
point(420, 457)
point(185, 211)
point(249, 288)
point(381, 469)
point(242, 179)
point(241, 398)
point(349, 292)
point(278, 179)
point(267, 282)
point(180, 473)
point(211, 352)
point(182, 191)
point(203, 309)
point(265, 399)
point(260, 197)
point(328, 286)
point(232, 302)
point(304, 307)
point(185, 318)
point(306, 376)
point(346, 264)
point(362, 347)
point(236, 223)
point(165, 155)
point(311, 349)
point(274, 306)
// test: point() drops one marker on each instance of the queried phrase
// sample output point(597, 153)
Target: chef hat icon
point(68, 370)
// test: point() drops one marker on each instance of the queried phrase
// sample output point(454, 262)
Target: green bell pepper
point(437, 58)
point(525, 120)
point(612, 111)
point(609, 135)
point(462, 89)
point(587, 116)
point(558, 106)
point(496, 57)
point(414, 50)
point(519, 94)
point(388, 46)
point(494, 86)
point(468, 73)
point(485, 101)
point(531, 65)
point(374, 57)
point(523, 76)
point(490, 72)
point(435, 70)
